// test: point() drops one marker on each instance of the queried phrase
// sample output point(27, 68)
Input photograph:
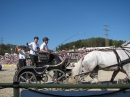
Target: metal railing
point(16, 86)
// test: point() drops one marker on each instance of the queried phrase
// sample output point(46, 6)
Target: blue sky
point(21, 20)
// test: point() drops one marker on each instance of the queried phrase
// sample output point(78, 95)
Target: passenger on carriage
point(44, 48)
point(22, 56)
point(34, 49)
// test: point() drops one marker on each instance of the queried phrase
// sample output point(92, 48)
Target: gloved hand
point(35, 52)
point(38, 48)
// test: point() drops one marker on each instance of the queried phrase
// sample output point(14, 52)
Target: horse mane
point(126, 43)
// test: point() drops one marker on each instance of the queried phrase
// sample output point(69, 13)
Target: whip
point(69, 38)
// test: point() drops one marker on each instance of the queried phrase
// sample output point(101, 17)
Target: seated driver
point(44, 48)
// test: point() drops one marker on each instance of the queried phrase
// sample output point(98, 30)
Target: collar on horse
point(121, 63)
point(118, 59)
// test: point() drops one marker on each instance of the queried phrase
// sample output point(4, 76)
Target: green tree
point(90, 42)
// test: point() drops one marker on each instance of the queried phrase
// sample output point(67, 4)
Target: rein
point(124, 47)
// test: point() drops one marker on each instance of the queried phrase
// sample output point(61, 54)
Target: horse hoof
point(99, 83)
point(119, 81)
point(110, 83)
point(125, 81)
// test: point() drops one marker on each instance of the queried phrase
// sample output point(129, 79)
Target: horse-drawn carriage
point(116, 60)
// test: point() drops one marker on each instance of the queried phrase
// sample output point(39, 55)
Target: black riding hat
point(36, 37)
point(45, 39)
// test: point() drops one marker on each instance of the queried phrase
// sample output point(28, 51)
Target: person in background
point(22, 56)
point(34, 49)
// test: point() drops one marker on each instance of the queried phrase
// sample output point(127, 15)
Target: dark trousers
point(51, 57)
point(34, 60)
point(22, 62)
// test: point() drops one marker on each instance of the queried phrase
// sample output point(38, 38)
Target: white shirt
point(22, 54)
point(44, 46)
point(33, 48)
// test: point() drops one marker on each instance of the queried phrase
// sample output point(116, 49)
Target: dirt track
point(6, 76)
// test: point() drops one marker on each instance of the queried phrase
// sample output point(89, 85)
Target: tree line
point(90, 42)
point(8, 48)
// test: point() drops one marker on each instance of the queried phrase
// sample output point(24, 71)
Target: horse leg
point(127, 79)
point(126, 70)
point(119, 80)
point(94, 75)
point(114, 75)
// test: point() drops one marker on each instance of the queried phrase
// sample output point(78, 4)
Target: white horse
point(101, 59)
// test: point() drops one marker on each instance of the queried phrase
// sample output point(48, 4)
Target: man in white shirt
point(44, 48)
point(22, 56)
point(34, 49)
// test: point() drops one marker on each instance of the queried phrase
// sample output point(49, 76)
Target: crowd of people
point(11, 59)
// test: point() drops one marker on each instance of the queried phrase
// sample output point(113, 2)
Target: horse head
point(75, 71)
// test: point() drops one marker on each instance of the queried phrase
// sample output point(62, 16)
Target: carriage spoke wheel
point(27, 77)
point(56, 76)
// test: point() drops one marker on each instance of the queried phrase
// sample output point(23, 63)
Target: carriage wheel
point(27, 77)
point(56, 76)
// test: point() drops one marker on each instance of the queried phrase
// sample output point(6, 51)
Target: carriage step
point(49, 82)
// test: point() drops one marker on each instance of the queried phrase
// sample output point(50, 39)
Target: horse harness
point(121, 63)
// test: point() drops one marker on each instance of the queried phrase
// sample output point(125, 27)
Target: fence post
point(16, 89)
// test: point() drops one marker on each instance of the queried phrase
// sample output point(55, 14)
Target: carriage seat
point(62, 65)
point(44, 57)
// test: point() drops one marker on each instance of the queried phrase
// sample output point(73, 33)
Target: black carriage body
point(42, 67)
point(44, 59)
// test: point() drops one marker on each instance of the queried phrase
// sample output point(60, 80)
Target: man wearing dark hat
point(44, 48)
point(34, 48)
